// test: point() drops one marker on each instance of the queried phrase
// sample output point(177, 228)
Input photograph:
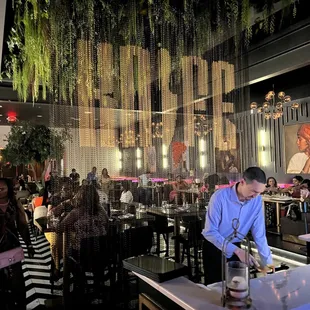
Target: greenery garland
point(43, 41)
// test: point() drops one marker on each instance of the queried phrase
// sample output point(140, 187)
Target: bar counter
point(283, 290)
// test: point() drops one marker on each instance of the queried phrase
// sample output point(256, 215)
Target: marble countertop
point(185, 293)
point(286, 290)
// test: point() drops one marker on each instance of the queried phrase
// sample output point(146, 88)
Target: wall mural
point(178, 151)
point(297, 148)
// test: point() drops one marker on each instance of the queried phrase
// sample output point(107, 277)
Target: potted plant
point(29, 144)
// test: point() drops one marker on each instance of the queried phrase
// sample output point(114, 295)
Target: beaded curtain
point(144, 82)
point(158, 94)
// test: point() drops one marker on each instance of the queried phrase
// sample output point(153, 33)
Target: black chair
point(132, 242)
point(161, 227)
point(94, 257)
point(135, 241)
point(192, 239)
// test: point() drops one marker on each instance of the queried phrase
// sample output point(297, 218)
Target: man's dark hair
point(254, 174)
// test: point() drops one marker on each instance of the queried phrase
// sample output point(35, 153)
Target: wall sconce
point(120, 160)
point(138, 157)
point(165, 156)
point(202, 152)
point(262, 150)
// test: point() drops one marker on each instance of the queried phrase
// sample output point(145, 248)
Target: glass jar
point(237, 280)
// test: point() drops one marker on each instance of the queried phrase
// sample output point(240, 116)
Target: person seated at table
point(305, 189)
point(37, 201)
point(203, 191)
point(88, 219)
point(126, 196)
point(64, 194)
point(272, 186)
point(294, 190)
point(66, 203)
point(175, 195)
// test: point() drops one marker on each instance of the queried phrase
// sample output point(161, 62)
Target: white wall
point(84, 158)
point(4, 130)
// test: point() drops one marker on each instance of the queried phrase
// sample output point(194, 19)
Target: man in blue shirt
point(92, 175)
point(241, 202)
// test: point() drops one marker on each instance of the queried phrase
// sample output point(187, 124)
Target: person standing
point(240, 203)
point(75, 179)
point(105, 181)
point(92, 175)
point(12, 223)
point(144, 191)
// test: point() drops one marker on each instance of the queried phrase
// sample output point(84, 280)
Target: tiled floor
point(37, 274)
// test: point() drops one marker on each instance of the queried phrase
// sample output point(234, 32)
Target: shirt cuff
point(230, 249)
point(267, 260)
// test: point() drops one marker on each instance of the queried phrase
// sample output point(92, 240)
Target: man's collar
point(234, 195)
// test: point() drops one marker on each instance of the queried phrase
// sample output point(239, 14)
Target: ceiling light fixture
point(39, 115)
point(273, 109)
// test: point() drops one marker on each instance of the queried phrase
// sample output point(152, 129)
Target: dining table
point(176, 213)
point(280, 201)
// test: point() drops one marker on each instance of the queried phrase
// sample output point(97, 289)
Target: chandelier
point(202, 128)
point(273, 106)
point(129, 138)
point(157, 130)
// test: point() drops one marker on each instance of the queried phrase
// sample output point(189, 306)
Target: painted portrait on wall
point(297, 148)
point(227, 161)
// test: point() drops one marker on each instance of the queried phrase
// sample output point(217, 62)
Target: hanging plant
point(29, 49)
point(43, 43)
point(246, 17)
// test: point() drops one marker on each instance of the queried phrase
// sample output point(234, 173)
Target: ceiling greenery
point(43, 41)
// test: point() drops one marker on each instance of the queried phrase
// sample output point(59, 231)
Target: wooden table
point(278, 202)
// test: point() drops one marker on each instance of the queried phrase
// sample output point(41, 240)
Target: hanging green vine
point(43, 41)
point(29, 49)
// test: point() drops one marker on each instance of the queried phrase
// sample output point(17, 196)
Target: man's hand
point(243, 257)
point(265, 269)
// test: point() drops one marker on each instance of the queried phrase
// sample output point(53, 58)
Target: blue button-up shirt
point(91, 176)
point(223, 207)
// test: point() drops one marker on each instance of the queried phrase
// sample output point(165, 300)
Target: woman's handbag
point(11, 257)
